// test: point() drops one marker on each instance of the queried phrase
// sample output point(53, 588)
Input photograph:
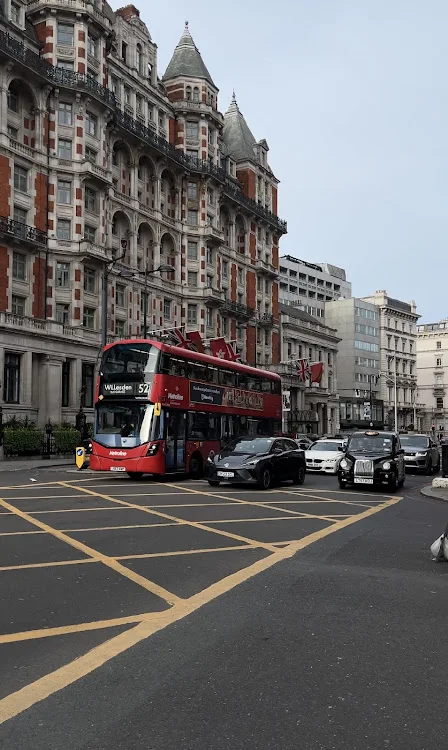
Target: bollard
point(444, 447)
point(80, 457)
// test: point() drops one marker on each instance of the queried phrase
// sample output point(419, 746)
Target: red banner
point(191, 340)
point(224, 350)
point(195, 339)
point(313, 372)
point(316, 372)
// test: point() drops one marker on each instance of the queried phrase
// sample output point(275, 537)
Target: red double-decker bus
point(161, 409)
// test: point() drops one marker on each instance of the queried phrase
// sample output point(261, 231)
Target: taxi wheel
point(392, 484)
point(342, 485)
point(213, 483)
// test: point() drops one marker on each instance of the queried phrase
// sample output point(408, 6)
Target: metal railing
point(81, 81)
point(22, 231)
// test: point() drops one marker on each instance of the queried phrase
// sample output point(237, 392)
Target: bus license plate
point(226, 474)
point(363, 480)
point(117, 468)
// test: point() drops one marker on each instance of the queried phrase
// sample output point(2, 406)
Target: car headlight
point(344, 464)
point(252, 463)
point(386, 465)
point(421, 455)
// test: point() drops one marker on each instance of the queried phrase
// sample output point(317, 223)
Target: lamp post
point(164, 268)
point(108, 267)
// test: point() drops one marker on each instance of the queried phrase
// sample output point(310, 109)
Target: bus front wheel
point(196, 468)
point(135, 475)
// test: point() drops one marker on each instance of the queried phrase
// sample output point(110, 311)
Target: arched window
point(195, 94)
point(188, 93)
point(139, 59)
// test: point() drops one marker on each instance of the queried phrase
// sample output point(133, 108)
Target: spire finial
point(233, 97)
point(186, 24)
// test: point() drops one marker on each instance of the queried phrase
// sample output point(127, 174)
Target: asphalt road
point(174, 616)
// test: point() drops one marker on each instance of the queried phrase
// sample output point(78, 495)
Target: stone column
point(53, 388)
point(26, 378)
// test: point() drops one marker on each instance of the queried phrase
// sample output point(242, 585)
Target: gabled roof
point(187, 60)
point(238, 140)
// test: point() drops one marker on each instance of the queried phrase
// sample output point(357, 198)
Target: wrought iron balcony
point(238, 309)
point(265, 319)
point(16, 50)
point(21, 232)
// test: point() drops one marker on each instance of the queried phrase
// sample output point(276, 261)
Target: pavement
point(174, 616)
point(438, 493)
point(32, 464)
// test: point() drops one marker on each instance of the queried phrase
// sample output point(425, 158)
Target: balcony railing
point(265, 319)
point(265, 268)
point(213, 296)
point(213, 234)
point(21, 231)
point(82, 82)
point(238, 309)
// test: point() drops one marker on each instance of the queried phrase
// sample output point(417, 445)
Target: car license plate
point(117, 468)
point(226, 474)
point(363, 480)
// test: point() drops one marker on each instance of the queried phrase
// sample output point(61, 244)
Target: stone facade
point(312, 409)
point(108, 171)
point(398, 354)
point(432, 377)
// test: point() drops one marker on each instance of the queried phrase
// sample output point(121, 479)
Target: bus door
point(176, 426)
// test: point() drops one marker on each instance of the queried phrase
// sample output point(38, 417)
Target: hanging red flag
point(316, 372)
point(219, 348)
point(179, 339)
point(195, 339)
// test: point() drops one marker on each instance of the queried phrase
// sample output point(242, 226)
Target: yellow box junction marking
point(28, 696)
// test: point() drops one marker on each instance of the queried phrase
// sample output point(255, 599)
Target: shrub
point(22, 441)
point(66, 438)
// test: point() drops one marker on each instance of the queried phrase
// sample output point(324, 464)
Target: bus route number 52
point(143, 389)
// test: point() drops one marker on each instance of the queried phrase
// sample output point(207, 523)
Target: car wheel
point(437, 467)
point(428, 468)
point(213, 483)
point(393, 483)
point(137, 475)
point(299, 476)
point(265, 479)
point(342, 485)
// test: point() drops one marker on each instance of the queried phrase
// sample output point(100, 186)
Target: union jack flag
point(233, 354)
point(179, 339)
point(303, 369)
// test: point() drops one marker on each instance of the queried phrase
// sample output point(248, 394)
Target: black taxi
point(372, 458)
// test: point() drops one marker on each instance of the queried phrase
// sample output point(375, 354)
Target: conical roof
point(187, 60)
point(238, 140)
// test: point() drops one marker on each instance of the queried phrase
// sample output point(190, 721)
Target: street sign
point(80, 457)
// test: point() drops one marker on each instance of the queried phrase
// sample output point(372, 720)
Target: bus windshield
point(129, 362)
point(131, 419)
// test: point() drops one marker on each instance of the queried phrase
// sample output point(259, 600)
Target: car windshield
point(370, 444)
point(250, 446)
point(326, 446)
point(414, 441)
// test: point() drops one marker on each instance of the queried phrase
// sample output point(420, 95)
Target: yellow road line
point(49, 564)
point(82, 627)
point(37, 691)
point(97, 528)
point(195, 524)
point(319, 497)
point(296, 517)
point(108, 561)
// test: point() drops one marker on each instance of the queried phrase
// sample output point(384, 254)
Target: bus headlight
point(152, 450)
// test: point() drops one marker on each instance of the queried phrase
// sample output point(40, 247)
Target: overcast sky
point(351, 96)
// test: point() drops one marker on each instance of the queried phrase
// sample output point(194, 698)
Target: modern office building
point(109, 171)
point(311, 285)
point(358, 361)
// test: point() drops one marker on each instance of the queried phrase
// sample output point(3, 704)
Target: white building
point(314, 408)
point(311, 285)
point(398, 358)
point(432, 376)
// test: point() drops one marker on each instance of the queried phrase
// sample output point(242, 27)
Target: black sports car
point(257, 460)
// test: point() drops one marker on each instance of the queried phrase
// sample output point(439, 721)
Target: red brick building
point(102, 160)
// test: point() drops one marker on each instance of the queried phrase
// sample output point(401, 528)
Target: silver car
point(421, 453)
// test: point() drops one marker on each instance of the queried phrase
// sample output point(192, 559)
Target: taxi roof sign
point(371, 433)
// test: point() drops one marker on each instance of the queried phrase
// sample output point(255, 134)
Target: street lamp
point(106, 273)
point(164, 268)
